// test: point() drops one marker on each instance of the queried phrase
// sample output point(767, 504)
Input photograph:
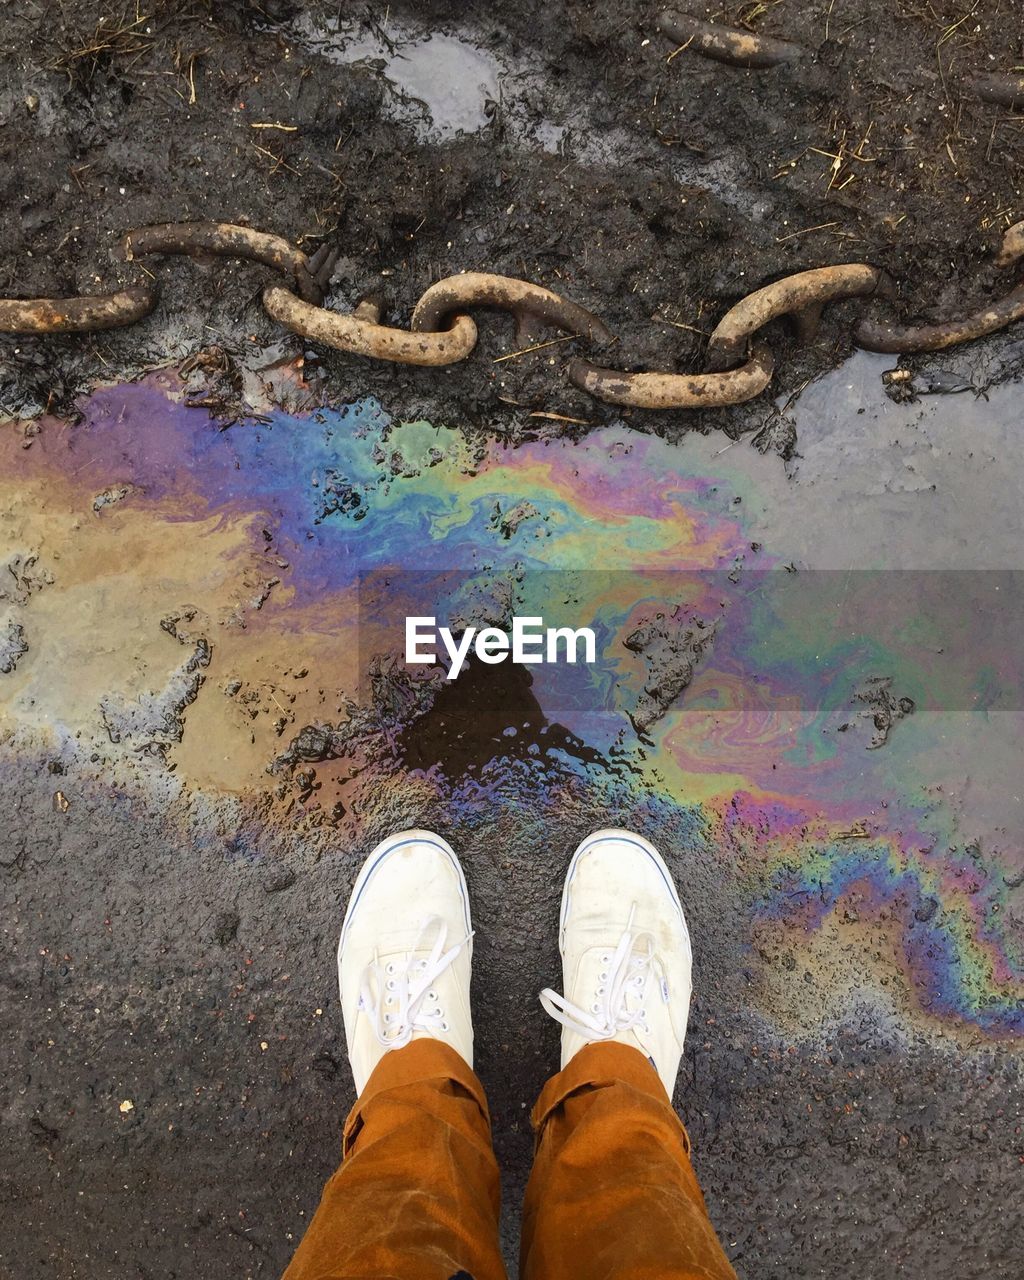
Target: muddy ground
point(570, 150)
point(656, 192)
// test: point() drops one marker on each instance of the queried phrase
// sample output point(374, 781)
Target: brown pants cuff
point(417, 1194)
point(600, 1065)
point(423, 1061)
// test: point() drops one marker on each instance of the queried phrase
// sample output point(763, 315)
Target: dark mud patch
point(883, 707)
point(672, 646)
point(13, 644)
point(482, 721)
point(154, 721)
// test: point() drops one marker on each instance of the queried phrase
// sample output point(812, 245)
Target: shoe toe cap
point(407, 881)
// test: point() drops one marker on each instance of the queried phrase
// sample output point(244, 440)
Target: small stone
point(112, 494)
point(126, 1106)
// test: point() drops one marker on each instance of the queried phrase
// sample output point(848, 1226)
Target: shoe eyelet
point(391, 984)
point(602, 977)
point(596, 1007)
point(445, 1026)
point(431, 995)
point(389, 967)
point(600, 991)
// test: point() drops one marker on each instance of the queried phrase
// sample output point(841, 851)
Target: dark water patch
point(486, 714)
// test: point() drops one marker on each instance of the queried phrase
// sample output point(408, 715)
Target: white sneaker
point(405, 955)
point(626, 958)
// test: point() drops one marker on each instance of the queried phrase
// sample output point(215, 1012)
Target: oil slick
point(200, 591)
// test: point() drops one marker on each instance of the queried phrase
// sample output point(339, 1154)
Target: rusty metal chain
point(77, 315)
point(738, 366)
point(741, 47)
point(227, 240)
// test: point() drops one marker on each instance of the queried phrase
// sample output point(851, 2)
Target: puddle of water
point(550, 136)
point(445, 85)
point(933, 485)
point(253, 540)
point(876, 485)
point(440, 84)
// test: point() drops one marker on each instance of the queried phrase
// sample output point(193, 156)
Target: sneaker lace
point(620, 1002)
point(406, 982)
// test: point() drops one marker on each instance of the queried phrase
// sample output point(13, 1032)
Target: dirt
point(655, 190)
point(173, 1065)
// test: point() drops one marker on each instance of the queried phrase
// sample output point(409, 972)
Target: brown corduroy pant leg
point(612, 1195)
point(418, 1193)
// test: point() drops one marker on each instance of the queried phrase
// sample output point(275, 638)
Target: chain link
point(732, 45)
point(677, 390)
point(364, 335)
point(77, 315)
point(531, 305)
point(739, 366)
point(228, 240)
point(802, 296)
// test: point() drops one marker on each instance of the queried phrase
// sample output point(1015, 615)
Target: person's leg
point(612, 1195)
point(417, 1194)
